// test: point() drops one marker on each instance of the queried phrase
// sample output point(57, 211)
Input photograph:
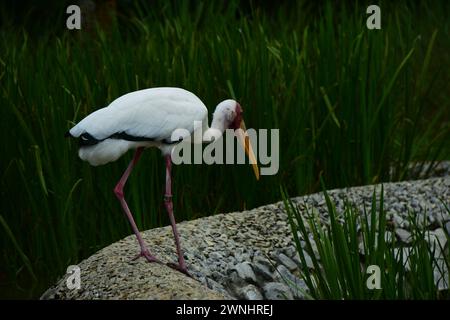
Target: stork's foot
point(179, 268)
point(146, 254)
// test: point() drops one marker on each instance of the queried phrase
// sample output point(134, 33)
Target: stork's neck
point(218, 126)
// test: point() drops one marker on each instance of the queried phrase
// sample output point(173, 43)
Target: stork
point(147, 118)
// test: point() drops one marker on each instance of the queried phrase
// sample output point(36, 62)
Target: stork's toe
point(147, 255)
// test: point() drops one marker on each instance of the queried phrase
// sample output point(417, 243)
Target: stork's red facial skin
point(237, 120)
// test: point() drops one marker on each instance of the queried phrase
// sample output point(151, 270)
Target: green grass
point(351, 242)
point(349, 103)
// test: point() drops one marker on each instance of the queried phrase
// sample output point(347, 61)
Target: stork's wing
point(150, 114)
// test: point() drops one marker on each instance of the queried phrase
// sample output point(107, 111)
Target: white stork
point(147, 118)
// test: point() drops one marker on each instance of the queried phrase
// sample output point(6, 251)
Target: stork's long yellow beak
point(245, 142)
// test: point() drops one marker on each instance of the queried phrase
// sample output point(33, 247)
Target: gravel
point(250, 254)
point(403, 235)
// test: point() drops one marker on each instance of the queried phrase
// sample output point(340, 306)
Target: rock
point(309, 262)
point(439, 217)
point(298, 286)
point(361, 248)
point(214, 245)
point(403, 235)
point(437, 239)
point(415, 204)
point(405, 224)
point(290, 251)
point(216, 275)
point(431, 219)
point(447, 227)
point(101, 281)
point(262, 260)
point(406, 253)
point(441, 236)
point(440, 274)
point(277, 291)
point(216, 256)
point(314, 248)
point(262, 271)
point(217, 287)
point(238, 252)
point(251, 292)
point(235, 281)
point(388, 237)
point(245, 272)
point(398, 221)
point(285, 260)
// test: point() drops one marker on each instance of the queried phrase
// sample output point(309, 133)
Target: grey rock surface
point(110, 274)
point(245, 272)
point(251, 292)
point(237, 255)
point(287, 262)
point(277, 291)
point(403, 235)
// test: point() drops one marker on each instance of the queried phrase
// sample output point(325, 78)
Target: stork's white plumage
point(147, 118)
point(141, 118)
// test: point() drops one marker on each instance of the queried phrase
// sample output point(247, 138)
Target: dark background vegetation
point(352, 105)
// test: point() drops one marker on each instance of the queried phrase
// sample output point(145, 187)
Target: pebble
point(440, 273)
point(290, 251)
point(437, 239)
point(447, 227)
point(262, 271)
point(403, 235)
point(398, 221)
point(295, 284)
point(214, 285)
point(285, 260)
point(405, 254)
point(245, 272)
point(388, 237)
point(308, 260)
point(264, 261)
point(216, 256)
point(251, 292)
point(277, 291)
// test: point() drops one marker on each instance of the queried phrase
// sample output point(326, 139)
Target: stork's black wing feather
point(87, 139)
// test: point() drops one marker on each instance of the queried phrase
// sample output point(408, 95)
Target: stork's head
point(229, 115)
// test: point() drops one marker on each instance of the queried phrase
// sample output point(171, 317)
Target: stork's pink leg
point(118, 190)
point(169, 207)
